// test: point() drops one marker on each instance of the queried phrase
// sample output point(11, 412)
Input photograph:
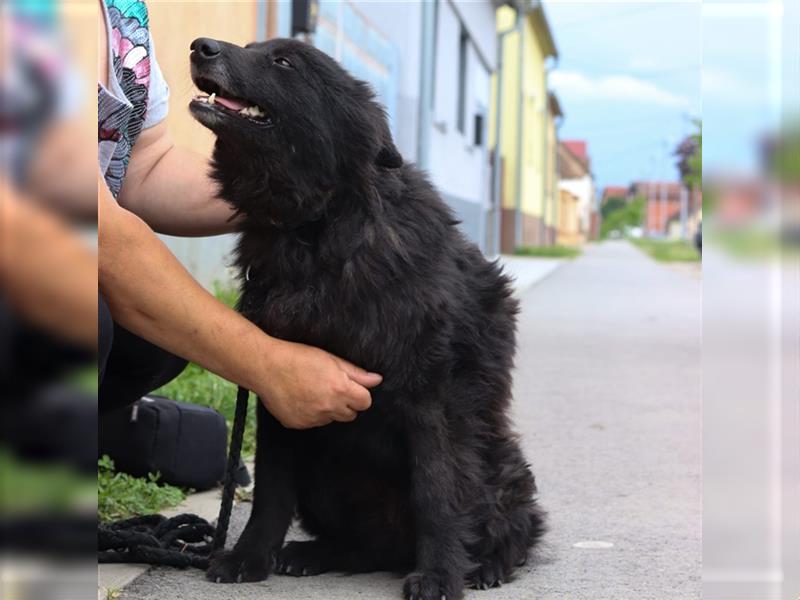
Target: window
point(462, 80)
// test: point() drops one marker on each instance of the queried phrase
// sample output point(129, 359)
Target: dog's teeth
point(212, 98)
point(218, 580)
point(239, 578)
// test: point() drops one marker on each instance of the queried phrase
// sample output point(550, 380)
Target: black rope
point(182, 541)
point(235, 451)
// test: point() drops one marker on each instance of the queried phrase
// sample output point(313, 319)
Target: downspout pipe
point(427, 74)
point(520, 133)
point(556, 177)
point(545, 162)
point(497, 184)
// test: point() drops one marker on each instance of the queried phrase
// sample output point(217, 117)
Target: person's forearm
point(171, 189)
point(46, 272)
point(151, 294)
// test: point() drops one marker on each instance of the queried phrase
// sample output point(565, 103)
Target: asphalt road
point(607, 399)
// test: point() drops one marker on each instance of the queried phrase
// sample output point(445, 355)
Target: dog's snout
point(206, 47)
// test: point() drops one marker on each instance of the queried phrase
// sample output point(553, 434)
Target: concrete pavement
point(607, 399)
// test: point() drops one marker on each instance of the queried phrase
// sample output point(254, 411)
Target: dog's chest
point(298, 310)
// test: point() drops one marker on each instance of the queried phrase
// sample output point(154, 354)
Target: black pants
point(129, 367)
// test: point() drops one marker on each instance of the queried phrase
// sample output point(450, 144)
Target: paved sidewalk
point(607, 399)
point(528, 271)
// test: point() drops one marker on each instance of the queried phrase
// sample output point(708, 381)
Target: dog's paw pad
point(300, 559)
point(429, 586)
point(233, 567)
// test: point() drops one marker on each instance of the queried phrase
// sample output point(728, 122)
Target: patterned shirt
point(137, 95)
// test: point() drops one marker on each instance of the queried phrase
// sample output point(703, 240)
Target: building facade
point(439, 118)
point(527, 127)
point(575, 177)
point(671, 209)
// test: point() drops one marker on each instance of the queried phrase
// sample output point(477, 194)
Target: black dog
point(347, 248)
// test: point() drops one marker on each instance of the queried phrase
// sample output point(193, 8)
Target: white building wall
point(458, 168)
point(583, 188)
point(402, 23)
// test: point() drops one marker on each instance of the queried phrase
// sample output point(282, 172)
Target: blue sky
point(629, 82)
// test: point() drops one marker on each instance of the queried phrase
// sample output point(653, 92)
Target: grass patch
point(548, 251)
point(668, 250)
point(35, 487)
point(120, 495)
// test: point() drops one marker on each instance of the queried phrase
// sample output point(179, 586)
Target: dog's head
point(291, 114)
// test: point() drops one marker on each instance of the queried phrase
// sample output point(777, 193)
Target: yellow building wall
point(174, 25)
point(510, 83)
point(551, 187)
point(534, 122)
point(531, 126)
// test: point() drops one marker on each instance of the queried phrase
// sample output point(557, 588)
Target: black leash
point(182, 541)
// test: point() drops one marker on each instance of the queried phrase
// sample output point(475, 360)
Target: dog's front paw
point(301, 559)
point(238, 567)
point(488, 575)
point(431, 586)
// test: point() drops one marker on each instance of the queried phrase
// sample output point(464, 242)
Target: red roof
point(615, 191)
point(578, 148)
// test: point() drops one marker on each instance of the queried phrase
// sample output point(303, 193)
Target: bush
point(548, 251)
point(624, 217)
point(120, 495)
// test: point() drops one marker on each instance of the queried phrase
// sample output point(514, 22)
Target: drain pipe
point(498, 117)
point(556, 178)
point(520, 132)
point(426, 84)
point(543, 234)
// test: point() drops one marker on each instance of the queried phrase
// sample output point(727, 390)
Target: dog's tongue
point(231, 103)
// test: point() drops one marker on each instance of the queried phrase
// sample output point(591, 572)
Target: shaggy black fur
point(351, 250)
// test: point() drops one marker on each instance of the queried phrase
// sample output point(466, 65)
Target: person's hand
point(308, 387)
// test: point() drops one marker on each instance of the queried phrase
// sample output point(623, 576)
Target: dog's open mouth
point(215, 98)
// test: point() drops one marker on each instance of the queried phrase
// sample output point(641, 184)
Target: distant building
point(528, 129)
point(569, 222)
point(575, 176)
point(668, 202)
point(614, 191)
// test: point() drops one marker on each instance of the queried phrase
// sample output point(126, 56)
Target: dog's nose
point(206, 47)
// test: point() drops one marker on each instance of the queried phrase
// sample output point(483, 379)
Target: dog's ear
point(388, 156)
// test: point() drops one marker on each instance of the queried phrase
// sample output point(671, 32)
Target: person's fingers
point(359, 397)
point(345, 415)
point(359, 375)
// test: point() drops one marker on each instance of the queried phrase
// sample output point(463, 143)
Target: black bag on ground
point(184, 443)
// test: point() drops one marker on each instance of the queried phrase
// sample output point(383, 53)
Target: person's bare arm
point(151, 294)
point(46, 272)
point(171, 189)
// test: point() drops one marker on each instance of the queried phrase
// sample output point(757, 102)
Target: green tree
point(611, 205)
point(629, 215)
point(690, 157)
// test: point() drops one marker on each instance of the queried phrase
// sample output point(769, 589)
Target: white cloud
point(719, 85)
point(614, 87)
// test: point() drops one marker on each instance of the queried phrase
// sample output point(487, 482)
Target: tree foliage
point(611, 205)
point(629, 215)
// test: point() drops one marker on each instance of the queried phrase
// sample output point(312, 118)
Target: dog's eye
point(283, 62)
